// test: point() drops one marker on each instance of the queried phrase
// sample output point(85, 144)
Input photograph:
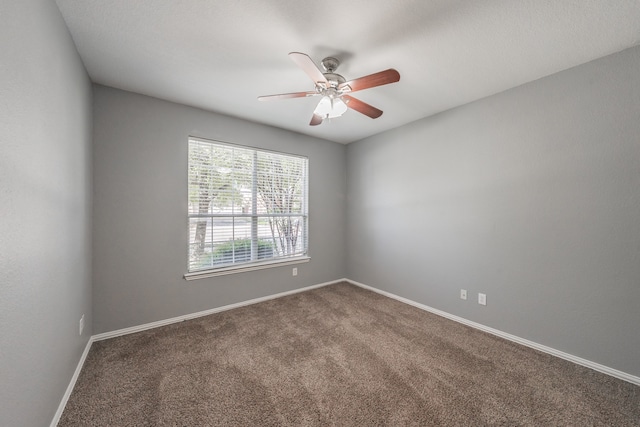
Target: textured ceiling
point(221, 55)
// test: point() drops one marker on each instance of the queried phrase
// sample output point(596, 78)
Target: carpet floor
point(337, 356)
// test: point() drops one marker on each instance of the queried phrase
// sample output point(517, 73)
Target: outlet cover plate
point(463, 294)
point(482, 299)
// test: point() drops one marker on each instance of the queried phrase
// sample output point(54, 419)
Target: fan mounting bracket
point(330, 64)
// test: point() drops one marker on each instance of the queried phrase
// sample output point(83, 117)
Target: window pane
point(285, 233)
point(281, 183)
point(245, 205)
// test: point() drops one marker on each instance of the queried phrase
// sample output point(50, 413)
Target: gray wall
point(531, 196)
point(45, 206)
point(140, 222)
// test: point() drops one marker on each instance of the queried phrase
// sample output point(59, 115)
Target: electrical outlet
point(81, 326)
point(295, 271)
point(482, 299)
point(463, 294)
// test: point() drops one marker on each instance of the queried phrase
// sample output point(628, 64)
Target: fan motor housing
point(334, 79)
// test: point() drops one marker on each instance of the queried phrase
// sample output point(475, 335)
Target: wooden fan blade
point(315, 120)
point(287, 95)
point(361, 107)
point(372, 80)
point(308, 66)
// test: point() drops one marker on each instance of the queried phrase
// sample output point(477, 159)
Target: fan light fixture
point(334, 89)
point(328, 107)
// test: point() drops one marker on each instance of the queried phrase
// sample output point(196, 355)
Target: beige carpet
point(337, 356)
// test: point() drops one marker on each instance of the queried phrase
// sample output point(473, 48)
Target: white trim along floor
point(578, 360)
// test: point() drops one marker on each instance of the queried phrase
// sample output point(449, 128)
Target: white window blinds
point(245, 205)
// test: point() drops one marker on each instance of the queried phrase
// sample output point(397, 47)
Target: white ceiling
point(221, 55)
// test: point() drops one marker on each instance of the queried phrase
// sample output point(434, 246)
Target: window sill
point(244, 268)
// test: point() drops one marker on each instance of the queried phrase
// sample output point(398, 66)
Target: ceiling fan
point(335, 89)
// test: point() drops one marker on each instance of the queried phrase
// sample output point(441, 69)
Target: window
point(247, 207)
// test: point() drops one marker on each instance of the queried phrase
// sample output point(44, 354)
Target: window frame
point(255, 264)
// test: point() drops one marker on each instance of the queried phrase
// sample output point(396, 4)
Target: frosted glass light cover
point(330, 108)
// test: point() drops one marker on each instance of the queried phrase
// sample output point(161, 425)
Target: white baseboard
point(146, 326)
point(72, 383)
point(106, 335)
point(543, 348)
